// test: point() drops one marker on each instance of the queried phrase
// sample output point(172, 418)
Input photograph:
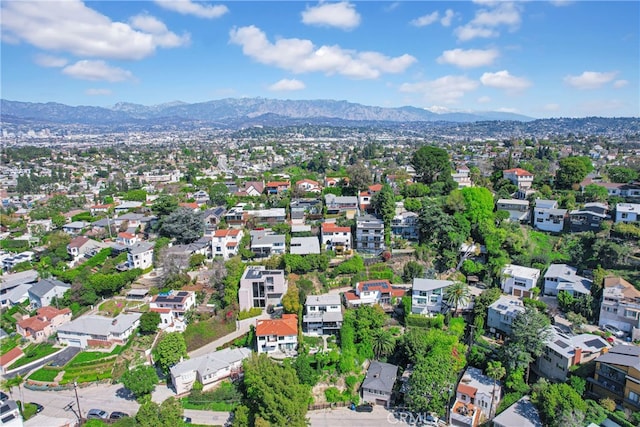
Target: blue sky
point(538, 58)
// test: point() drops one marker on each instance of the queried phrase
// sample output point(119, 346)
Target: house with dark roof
point(377, 386)
point(140, 255)
point(42, 292)
point(617, 376)
point(277, 335)
point(172, 307)
point(588, 218)
point(523, 413)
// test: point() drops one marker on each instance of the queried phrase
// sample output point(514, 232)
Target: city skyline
point(540, 59)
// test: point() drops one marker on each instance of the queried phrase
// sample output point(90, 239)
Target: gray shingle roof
point(380, 376)
point(211, 362)
point(100, 325)
point(45, 286)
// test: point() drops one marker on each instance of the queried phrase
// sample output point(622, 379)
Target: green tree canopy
point(149, 322)
point(183, 224)
point(572, 171)
point(140, 380)
point(169, 350)
point(621, 174)
point(430, 163)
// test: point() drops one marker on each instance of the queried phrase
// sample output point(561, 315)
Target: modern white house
point(225, 243)
point(427, 296)
point(336, 238)
point(620, 306)
point(405, 225)
point(277, 335)
point(369, 234)
point(323, 314)
point(461, 176)
point(260, 287)
point(265, 243)
point(501, 313)
point(304, 245)
point(627, 212)
point(209, 369)
point(519, 281)
point(98, 331)
point(517, 209)
point(172, 308)
point(562, 277)
point(547, 216)
point(140, 255)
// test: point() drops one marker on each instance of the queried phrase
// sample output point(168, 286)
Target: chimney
point(577, 356)
point(114, 321)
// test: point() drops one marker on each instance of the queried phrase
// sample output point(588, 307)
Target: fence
point(319, 406)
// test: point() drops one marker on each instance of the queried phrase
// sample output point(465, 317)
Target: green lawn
point(112, 307)
point(545, 244)
point(28, 411)
point(201, 333)
point(9, 343)
point(45, 373)
point(34, 352)
point(85, 357)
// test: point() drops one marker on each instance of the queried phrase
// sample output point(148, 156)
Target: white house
point(336, 238)
point(225, 243)
point(461, 176)
point(208, 369)
point(172, 308)
point(562, 277)
point(369, 234)
point(476, 398)
point(277, 335)
point(98, 331)
point(323, 314)
point(518, 210)
point(140, 255)
point(265, 243)
point(627, 212)
point(260, 287)
point(304, 245)
point(501, 313)
point(405, 225)
point(520, 177)
point(42, 292)
point(519, 281)
point(427, 296)
point(9, 261)
point(547, 216)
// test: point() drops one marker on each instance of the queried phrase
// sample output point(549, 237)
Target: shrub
point(252, 312)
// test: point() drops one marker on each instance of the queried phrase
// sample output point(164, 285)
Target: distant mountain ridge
point(233, 110)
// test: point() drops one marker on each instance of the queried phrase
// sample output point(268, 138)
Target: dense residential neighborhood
point(458, 283)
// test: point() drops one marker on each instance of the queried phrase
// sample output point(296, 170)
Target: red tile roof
point(518, 172)
point(375, 188)
point(351, 296)
point(160, 310)
point(126, 235)
point(77, 242)
point(286, 326)
point(192, 205)
point(7, 358)
point(467, 389)
point(330, 227)
point(33, 323)
point(230, 232)
point(49, 312)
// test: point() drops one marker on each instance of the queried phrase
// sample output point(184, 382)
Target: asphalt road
point(59, 359)
point(345, 417)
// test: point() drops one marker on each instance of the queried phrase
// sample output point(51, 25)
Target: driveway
point(58, 359)
point(345, 417)
point(207, 418)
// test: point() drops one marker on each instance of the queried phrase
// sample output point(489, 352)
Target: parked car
point(116, 415)
point(614, 330)
point(39, 407)
point(364, 408)
point(186, 420)
point(97, 414)
point(3, 396)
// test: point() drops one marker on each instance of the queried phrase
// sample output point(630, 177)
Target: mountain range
point(231, 111)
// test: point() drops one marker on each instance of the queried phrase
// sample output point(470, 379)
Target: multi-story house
point(98, 331)
point(337, 239)
point(371, 292)
point(125, 207)
point(10, 261)
point(563, 351)
point(225, 243)
point(42, 292)
point(277, 187)
point(518, 210)
point(127, 239)
point(365, 197)
point(477, 399)
point(338, 204)
point(304, 245)
point(547, 216)
point(308, 186)
point(405, 225)
point(264, 243)
point(627, 212)
point(500, 315)
point(172, 308)
point(140, 255)
point(251, 188)
point(44, 324)
point(323, 314)
point(334, 181)
point(461, 176)
point(520, 177)
point(377, 386)
point(268, 216)
point(620, 306)
point(277, 335)
point(427, 296)
point(236, 217)
point(519, 281)
point(562, 277)
point(369, 234)
point(260, 287)
point(617, 376)
point(589, 218)
point(75, 228)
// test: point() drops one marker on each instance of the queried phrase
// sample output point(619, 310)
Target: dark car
point(3, 396)
point(187, 420)
point(364, 408)
point(116, 415)
point(39, 407)
point(97, 414)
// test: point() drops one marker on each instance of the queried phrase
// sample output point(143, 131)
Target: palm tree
point(10, 383)
point(495, 371)
point(383, 343)
point(456, 295)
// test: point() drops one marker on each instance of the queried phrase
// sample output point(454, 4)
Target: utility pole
point(75, 388)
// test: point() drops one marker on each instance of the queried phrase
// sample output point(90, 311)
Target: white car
point(614, 330)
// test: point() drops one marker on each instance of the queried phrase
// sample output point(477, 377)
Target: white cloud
point(425, 20)
point(49, 61)
point(484, 100)
point(560, 3)
point(70, 26)
point(445, 90)
point(301, 56)
point(590, 79)
point(98, 92)
point(341, 15)
point(620, 84)
point(504, 80)
point(187, 7)
point(97, 70)
point(468, 58)
point(447, 18)
point(487, 20)
point(551, 107)
point(438, 109)
point(287, 85)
